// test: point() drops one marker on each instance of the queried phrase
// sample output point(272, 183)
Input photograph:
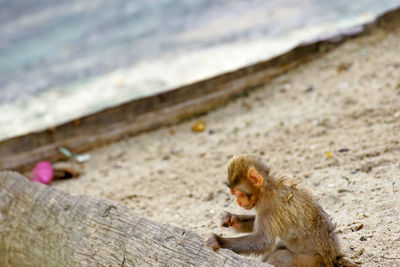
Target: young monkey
point(284, 212)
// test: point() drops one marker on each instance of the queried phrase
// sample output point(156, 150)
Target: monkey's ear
point(255, 178)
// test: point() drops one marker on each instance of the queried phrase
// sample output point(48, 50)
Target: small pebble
point(175, 150)
point(116, 154)
point(309, 89)
point(359, 227)
point(360, 252)
point(342, 190)
point(118, 165)
point(366, 167)
point(82, 158)
point(343, 67)
point(209, 197)
point(286, 87)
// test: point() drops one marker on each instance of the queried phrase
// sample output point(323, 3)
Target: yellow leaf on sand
point(199, 126)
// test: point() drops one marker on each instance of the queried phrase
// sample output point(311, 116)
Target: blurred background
point(60, 60)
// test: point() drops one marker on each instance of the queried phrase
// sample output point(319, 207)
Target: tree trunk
point(42, 226)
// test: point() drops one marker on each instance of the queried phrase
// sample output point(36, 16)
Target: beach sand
point(333, 123)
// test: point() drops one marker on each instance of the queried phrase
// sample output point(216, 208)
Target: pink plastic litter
point(43, 172)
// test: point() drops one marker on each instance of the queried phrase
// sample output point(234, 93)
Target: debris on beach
point(43, 172)
point(199, 126)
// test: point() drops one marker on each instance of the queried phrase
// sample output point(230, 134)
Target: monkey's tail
point(343, 262)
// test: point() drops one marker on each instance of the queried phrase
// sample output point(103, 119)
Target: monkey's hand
point(213, 242)
point(229, 219)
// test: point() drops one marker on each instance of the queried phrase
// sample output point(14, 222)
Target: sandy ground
point(349, 99)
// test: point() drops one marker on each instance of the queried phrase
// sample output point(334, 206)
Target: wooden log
point(42, 226)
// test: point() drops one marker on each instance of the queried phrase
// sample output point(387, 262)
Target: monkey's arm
point(253, 243)
point(242, 223)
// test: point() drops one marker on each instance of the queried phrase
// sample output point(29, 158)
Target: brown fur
point(285, 211)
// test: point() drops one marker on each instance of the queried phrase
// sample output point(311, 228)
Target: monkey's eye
point(233, 191)
point(242, 194)
point(247, 195)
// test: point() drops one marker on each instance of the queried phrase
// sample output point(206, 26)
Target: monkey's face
point(244, 198)
point(245, 184)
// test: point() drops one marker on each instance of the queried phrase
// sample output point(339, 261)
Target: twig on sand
point(391, 258)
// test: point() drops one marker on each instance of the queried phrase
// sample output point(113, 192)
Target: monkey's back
point(303, 224)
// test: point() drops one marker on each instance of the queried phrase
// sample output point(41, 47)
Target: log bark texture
point(42, 226)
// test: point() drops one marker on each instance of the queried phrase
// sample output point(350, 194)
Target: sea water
point(60, 60)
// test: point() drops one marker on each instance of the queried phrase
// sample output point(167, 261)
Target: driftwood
point(42, 226)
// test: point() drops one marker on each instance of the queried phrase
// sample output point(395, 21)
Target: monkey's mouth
point(249, 206)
